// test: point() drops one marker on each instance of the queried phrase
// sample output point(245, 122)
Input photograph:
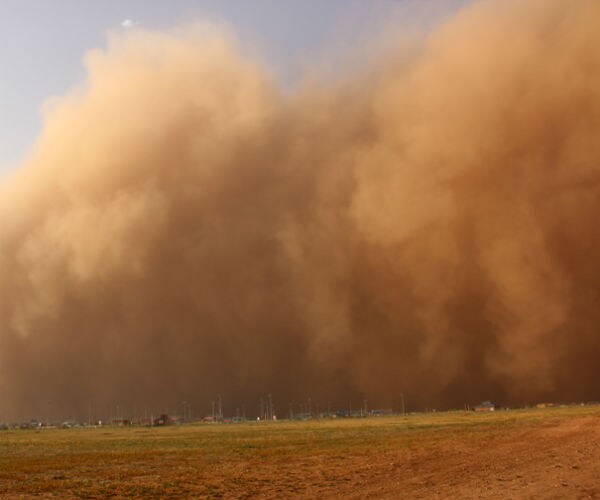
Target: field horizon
point(541, 453)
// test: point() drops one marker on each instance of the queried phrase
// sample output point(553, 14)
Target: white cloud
point(128, 23)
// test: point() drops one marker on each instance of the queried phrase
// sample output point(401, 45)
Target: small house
point(485, 406)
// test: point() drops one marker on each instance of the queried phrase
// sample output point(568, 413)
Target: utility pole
point(220, 408)
point(402, 403)
point(309, 408)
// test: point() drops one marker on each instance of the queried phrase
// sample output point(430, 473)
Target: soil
point(548, 459)
point(560, 460)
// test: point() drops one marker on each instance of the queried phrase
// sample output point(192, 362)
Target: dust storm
point(184, 227)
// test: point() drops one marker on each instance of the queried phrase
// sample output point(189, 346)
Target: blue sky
point(42, 42)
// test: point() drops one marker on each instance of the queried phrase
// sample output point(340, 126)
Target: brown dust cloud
point(429, 226)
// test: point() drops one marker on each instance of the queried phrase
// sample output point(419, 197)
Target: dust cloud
point(184, 227)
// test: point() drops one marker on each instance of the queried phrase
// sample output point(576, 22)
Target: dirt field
point(552, 453)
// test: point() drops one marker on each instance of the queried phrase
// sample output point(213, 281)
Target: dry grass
point(425, 455)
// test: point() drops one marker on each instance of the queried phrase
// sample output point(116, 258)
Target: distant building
point(163, 420)
point(71, 424)
point(544, 405)
point(381, 412)
point(121, 422)
point(485, 406)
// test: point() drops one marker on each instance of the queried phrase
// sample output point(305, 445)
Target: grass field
point(550, 453)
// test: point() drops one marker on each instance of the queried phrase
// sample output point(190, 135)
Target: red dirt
point(560, 460)
point(548, 459)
